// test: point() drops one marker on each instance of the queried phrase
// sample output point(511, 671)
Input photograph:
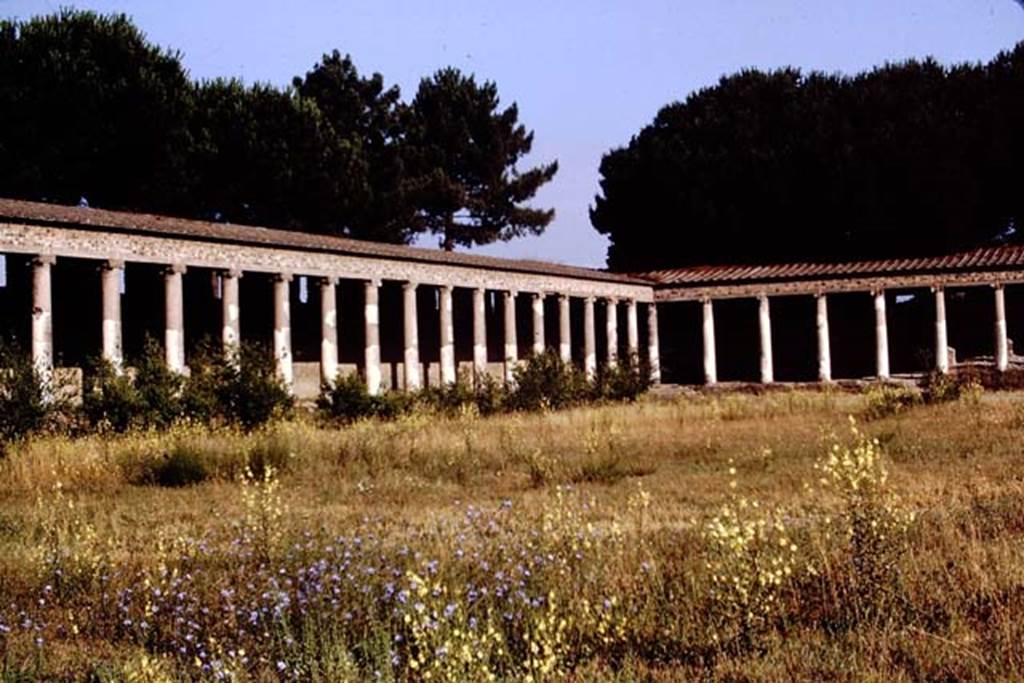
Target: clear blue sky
point(587, 74)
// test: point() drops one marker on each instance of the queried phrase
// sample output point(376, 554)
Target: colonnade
point(882, 369)
point(111, 274)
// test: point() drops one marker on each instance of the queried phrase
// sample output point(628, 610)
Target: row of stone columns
point(174, 338)
point(882, 370)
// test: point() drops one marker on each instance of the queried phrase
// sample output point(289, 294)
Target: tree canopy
point(907, 159)
point(92, 110)
point(464, 151)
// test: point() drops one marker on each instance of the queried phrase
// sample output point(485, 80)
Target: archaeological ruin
point(78, 283)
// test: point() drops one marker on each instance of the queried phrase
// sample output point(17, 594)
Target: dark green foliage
point(109, 400)
point(26, 398)
point(626, 381)
point(181, 466)
point(462, 150)
point(347, 399)
point(158, 388)
point(251, 392)
point(92, 109)
point(243, 389)
point(545, 381)
point(908, 158)
point(148, 397)
point(486, 394)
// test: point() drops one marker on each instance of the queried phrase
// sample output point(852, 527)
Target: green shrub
point(629, 379)
point(109, 399)
point(204, 391)
point(346, 399)
point(485, 393)
point(940, 387)
point(181, 466)
point(148, 398)
point(251, 393)
point(158, 387)
point(546, 381)
point(884, 400)
point(27, 400)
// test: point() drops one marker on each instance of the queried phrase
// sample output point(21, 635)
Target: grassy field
point(727, 537)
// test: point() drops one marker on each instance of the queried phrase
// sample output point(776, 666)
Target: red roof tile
point(984, 258)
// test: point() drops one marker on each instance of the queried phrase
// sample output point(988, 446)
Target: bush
point(181, 466)
point(546, 381)
point(346, 399)
point(627, 381)
point(109, 399)
point(26, 397)
point(884, 400)
point(158, 387)
point(485, 393)
point(250, 391)
point(148, 398)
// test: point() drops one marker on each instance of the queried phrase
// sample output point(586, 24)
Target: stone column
point(941, 335)
point(653, 348)
point(764, 319)
point(174, 318)
point(328, 330)
point(283, 329)
point(612, 331)
point(824, 347)
point(708, 329)
point(42, 314)
point(881, 336)
point(448, 374)
point(511, 342)
point(1002, 346)
point(410, 328)
point(479, 333)
point(564, 329)
point(231, 322)
point(632, 330)
point(110, 287)
point(371, 349)
point(537, 306)
point(589, 339)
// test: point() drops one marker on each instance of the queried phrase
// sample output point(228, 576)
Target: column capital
point(938, 287)
point(877, 291)
point(821, 294)
point(511, 293)
point(611, 300)
point(231, 273)
point(112, 264)
point(283, 277)
point(328, 281)
point(43, 260)
point(409, 284)
point(762, 297)
point(373, 282)
point(446, 288)
point(997, 285)
point(175, 269)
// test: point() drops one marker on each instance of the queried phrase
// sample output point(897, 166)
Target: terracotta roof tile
point(983, 258)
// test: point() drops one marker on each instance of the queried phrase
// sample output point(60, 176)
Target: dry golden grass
point(958, 467)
